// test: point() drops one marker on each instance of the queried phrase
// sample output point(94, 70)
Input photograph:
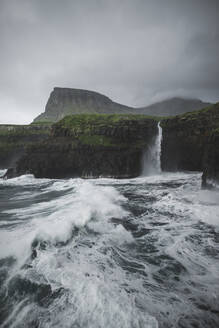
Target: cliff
point(91, 146)
point(15, 138)
point(65, 101)
point(185, 139)
point(211, 160)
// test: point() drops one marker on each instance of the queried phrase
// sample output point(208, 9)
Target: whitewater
point(109, 253)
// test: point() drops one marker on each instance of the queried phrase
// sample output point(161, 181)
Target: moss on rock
point(91, 145)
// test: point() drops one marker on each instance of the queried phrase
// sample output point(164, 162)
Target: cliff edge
point(97, 145)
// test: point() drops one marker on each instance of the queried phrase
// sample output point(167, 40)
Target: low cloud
point(135, 52)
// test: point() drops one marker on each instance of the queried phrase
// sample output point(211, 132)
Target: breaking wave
point(109, 253)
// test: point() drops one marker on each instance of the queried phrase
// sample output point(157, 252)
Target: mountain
point(173, 106)
point(66, 101)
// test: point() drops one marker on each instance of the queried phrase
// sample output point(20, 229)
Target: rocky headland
point(66, 101)
point(98, 145)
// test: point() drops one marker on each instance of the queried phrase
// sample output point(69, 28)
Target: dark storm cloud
point(135, 51)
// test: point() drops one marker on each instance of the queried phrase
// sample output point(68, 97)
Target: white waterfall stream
point(151, 159)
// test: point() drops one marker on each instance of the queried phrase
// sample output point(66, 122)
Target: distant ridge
point(67, 101)
point(173, 106)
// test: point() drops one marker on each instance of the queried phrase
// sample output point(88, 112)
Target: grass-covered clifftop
point(204, 118)
point(91, 145)
point(106, 130)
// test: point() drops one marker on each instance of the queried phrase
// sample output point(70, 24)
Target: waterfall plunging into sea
point(151, 159)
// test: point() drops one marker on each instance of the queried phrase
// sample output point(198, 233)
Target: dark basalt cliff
point(185, 140)
point(65, 101)
point(91, 146)
point(15, 138)
point(211, 160)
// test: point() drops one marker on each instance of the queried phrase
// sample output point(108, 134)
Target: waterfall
point(158, 148)
point(151, 158)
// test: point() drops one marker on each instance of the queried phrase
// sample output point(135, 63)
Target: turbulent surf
point(109, 253)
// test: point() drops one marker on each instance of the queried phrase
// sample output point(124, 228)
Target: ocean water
point(134, 253)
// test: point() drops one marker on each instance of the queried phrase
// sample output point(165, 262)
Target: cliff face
point(211, 160)
point(15, 138)
point(185, 138)
point(66, 101)
point(91, 146)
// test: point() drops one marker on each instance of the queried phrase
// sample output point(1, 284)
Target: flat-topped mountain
point(67, 101)
point(173, 106)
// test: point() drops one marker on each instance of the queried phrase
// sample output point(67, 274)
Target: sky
point(136, 52)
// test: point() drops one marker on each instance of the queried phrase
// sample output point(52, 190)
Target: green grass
point(206, 117)
point(23, 130)
point(88, 123)
point(196, 114)
point(82, 119)
point(98, 129)
point(42, 123)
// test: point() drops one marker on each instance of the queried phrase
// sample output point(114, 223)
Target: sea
point(109, 253)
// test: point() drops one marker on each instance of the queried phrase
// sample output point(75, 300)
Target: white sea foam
point(24, 180)
point(91, 279)
point(55, 219)
point(2, 172)
point(97, 266)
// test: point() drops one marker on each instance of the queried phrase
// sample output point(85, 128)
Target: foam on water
point(2, 172)
point(92, 296)
point(111, 253)
point(54, 220)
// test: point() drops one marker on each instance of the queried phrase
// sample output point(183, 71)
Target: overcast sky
point(134, 51)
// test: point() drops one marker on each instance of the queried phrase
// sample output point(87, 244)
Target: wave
point(54, 220)
point(106, 253)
